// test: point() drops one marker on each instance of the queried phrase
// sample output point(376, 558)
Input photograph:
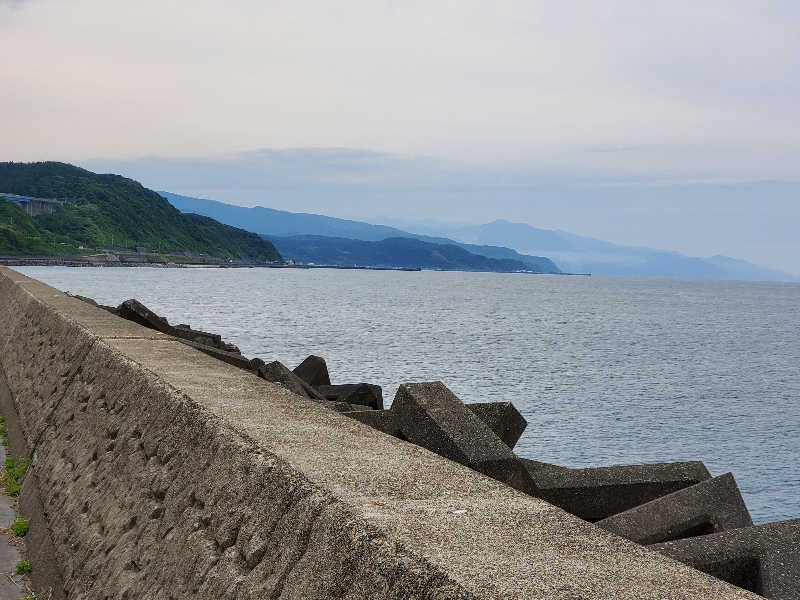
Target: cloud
point(695, 88)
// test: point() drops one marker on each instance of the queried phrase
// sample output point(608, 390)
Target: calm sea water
point(605, 370)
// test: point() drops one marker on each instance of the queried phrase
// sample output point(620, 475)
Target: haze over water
point(606, 371)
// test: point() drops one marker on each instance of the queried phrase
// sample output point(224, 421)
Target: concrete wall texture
point(161, 473)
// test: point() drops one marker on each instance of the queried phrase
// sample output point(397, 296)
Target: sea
point(606, 371)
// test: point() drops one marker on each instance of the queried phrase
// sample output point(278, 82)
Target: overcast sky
point(616, 119)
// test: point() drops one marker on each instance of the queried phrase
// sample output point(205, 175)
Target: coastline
point(42, 261)
point(141, 260)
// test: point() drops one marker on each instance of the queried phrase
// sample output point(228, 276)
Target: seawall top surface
point(490, 540)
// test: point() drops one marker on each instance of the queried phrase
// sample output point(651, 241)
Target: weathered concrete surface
point(536, 467)
point(344, 407)
point(39, 296)
point(168, 474)
point(503, 418)
point(707, 507)
point(112, 309)
point(232, 358)
point(596, 493)
point(39, 542)
point(382, 420)
point(764, 559)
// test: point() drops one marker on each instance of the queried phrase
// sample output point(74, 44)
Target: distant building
point(34, 206)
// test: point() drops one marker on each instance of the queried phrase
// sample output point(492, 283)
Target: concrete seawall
point(159, 472)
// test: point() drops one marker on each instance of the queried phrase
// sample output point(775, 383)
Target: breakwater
point(163, 472)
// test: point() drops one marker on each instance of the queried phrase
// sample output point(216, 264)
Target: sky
point(668, 124)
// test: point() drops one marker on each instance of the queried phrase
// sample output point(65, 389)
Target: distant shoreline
point(133, 260)
point(74, 261)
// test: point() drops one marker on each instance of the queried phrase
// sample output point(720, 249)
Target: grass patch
point(20, 527)
point(13, 471)
point(12, 487)
point(14, 475)
point(23, 567)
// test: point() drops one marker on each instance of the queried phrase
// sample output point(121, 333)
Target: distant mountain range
point(281, 226)
point(499, 239)
point(584, 254)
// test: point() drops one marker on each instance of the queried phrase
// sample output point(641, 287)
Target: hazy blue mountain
point(749, 271)
point(582, 254)
point(402, 252)
point(540, 264)
point(499, 239)
point(269, 222)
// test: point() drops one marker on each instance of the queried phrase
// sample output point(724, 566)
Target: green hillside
point(110, 210)
point(21, 234)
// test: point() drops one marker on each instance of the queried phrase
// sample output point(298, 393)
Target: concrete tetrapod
point(597, 493)
point(314, 371)
point(135, 311)
point(363, 394)
point(431, 416)
point(536, 467)
point(277, 372)
point(500, 417)
point(503, 418)
point(707, 507)
point(764, 559)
